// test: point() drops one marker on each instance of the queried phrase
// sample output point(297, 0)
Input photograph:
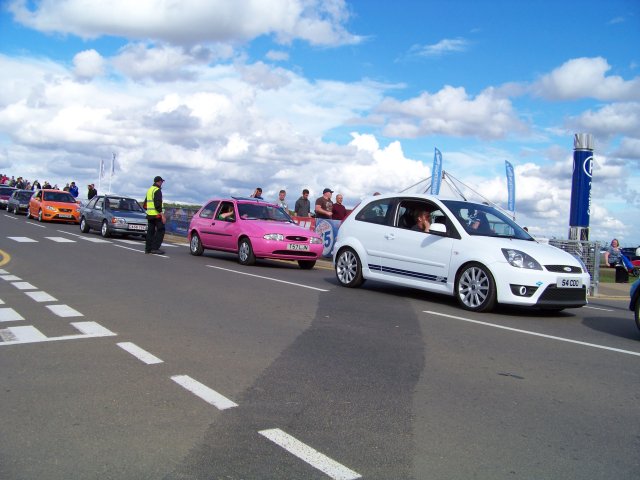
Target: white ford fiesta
point(469, 250)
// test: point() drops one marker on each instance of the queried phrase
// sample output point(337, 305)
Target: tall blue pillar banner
point(436, 173)
point(328, 231)
point(511, 186)
point(581, 181)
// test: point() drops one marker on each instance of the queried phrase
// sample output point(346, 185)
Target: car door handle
point(390, 236)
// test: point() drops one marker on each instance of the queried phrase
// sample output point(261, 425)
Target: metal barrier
point(588, 252)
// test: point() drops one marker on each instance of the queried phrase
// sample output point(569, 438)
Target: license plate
point(298, 247)
point(65, 215)
point(137, 227)
point(569, 282)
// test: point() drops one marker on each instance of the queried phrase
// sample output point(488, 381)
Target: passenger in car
point(226, 213)
point(423, 221)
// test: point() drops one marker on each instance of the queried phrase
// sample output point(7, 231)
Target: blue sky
point(219, 97)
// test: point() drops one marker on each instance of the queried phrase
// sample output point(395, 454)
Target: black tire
point(104, 230)
point(84, 226)
point(306, 264)
point(195, 245)
point(245, 252)
point(475, 288)
point(349, 268)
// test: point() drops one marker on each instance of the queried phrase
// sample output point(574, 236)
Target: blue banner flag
point(511, 187)
point(436, 173)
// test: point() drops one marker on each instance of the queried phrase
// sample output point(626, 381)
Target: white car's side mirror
point(438, 228)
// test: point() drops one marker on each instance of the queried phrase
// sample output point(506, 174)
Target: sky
point(219, 97)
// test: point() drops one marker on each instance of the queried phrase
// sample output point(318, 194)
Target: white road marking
point(9, 315)
point(23, 239)
point(95, 240)
point(139, 353)
point(268, 278)
point(140, 251)
point(36, 224)
point(61, 239)
point(130, 242)
point(23, 286)
point(552, 337)
point(314, 458)
point(205, 393)
point(40, 296)
point(9, 216)
point(10, 278)
point(3, 272)
point(30, 334)
point(597, 308)
point(1, 302)
point(64, 311)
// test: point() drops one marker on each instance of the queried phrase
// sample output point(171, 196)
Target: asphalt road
point(120, 365)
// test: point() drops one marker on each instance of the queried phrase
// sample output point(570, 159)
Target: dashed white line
point(314, 458)
point(551, 337)
point(139, 353)
point(61, 239)
point(23, 239)
point(30, 334)
point(40, 296)
point(23, 286)
point(10, 278)
point(597, 308)
point(269, 278)
point(205, 393)
point(9, 315)
point(140, 251)
point(36, 224)
point(64, 311)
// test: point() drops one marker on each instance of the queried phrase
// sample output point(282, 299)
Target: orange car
point(54, 205)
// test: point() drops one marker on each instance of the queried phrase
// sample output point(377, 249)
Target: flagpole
point(100, 172)
point(113, 167)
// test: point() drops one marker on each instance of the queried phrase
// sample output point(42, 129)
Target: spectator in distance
point(324, 205)
point(281, 200)
point(257, 194)
point(303, 205)
point(339, 212)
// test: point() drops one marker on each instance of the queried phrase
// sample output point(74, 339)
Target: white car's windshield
point(249, 211)
point(483, 220)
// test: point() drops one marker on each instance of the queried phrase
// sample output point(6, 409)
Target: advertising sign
point(581, 180)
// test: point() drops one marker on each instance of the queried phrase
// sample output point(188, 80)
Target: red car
point(253, 229)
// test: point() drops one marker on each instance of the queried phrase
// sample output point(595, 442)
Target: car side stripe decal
point(408, 273)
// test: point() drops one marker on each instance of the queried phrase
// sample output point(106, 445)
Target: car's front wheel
point(195, 245)
point(104, 231)
point(245, 252)
point(475, 288)
point(306, 264)
point(84, 226)
point(349, 269)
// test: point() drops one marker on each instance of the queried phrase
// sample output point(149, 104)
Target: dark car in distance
point(19, 201)
point(5, 193)
point(113, 214)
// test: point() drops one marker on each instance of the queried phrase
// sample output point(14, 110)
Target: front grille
point(563, 297)
point(297, 238)
point(295, 253)
point(561, 269)
point(65, 210)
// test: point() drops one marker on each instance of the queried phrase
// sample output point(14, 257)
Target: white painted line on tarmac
point(1, 302)
point(9, 315)
point(551, 337)
point(92, 329)
point(35, 224)
point(30, 334)
point(26, 334)
point(268, 278)
point(23, 286)
point(314, 458)
point(61, 239)
point(3, 271)
point(139, 353)
point(41, 296)
point(205, 393)
point(11, 217)
point(64, 311)
point(597, 308)
point(141, 251)
point(10, 278)
point(23, 239)
point(130, 242)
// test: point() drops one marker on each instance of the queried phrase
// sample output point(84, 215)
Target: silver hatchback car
point(113, 214)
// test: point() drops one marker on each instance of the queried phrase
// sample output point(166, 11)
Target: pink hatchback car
point(254, 229)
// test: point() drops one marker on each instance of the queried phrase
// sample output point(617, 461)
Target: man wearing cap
point(155, 218)
point(324, 205)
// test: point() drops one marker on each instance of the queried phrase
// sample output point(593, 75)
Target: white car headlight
point(519, 259)
point(119, 221)
point(315, 240)
point(49, 207)
point(274, 236)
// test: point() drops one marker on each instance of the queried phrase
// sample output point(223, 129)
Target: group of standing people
point(324, 207)
point(24, 184)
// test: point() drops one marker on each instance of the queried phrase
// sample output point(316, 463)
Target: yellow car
point(47, 205)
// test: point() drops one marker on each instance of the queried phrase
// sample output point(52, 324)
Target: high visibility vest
point(151, 207)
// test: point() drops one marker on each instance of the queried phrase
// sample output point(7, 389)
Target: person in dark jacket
point(92, 192)
point(155, 218)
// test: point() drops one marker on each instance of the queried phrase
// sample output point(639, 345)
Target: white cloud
point(277, 55)
point(443, 47)
point(190, 22)
point(586, 78)
point(88, 64)
point(610, 120)
point(451, 112)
